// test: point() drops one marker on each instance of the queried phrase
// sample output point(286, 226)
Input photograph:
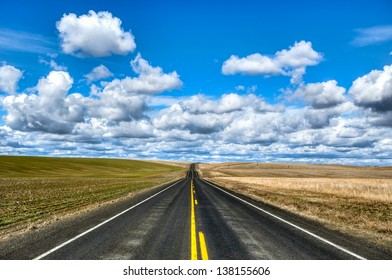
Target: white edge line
point(291, 224)
point(101, 224)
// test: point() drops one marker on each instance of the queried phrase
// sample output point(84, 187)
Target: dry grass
point(34, 190)
point(291, 170)
point(356, 200)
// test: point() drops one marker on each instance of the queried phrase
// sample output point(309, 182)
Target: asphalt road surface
point(194, 219)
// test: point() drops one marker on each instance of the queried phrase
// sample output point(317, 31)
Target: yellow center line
point(193, 227)
point(202, 241)
point(203, 246)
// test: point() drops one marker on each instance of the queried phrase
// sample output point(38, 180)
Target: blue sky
point(300, 81)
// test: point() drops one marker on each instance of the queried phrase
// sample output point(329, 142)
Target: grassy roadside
point(354, 200)
point(34, 190)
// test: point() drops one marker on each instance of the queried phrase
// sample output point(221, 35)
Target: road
point(190, 219)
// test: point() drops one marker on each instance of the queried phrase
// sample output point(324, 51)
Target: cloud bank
point(53, 109)
point(332, 125)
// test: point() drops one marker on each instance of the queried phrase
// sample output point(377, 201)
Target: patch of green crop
point(34, 189)
point(18, 166)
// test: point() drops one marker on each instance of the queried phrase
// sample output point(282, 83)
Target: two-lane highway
point(156, 228)
point(194, 219)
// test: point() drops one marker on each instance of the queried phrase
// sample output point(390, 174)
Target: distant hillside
point(21, 166)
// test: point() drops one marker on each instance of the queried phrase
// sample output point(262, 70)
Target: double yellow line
point(202, 241)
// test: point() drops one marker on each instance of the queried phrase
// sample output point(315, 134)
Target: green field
point(34, 190)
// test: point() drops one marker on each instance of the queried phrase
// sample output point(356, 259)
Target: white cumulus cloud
point(374, 90)
point(50, 110)
point(321, 95)
point(98, 73)
point(321, 117)
point(116, 104)
point(150, 79)
point(299, 55)
point(203, 115)
point(291, 62)
point(126, 99)
point(94, 34)
point(9, 78)
point(116, 110)
point(253, 64)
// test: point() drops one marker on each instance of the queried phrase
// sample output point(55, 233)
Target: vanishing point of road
point(194, 219)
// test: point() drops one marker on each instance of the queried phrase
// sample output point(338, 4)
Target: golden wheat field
point(355, 200)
